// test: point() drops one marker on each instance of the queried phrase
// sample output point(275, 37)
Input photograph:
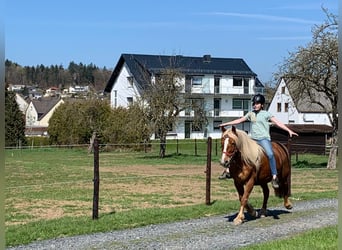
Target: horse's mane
point(250, 150)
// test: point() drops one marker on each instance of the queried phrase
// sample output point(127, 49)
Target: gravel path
point(216, 232)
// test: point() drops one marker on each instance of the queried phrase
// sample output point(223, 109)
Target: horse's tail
point(285, 179)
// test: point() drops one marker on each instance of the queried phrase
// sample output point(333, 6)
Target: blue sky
point(261, 32)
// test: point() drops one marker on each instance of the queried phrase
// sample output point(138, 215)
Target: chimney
point(206, 58)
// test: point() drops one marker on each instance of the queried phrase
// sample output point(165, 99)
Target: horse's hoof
point(237, 221)
point(262, 213)
point(288, 206)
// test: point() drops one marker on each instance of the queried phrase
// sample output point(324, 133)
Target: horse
point(249, 166)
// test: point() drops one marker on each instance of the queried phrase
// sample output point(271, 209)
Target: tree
point(14, 122)
point(75, 122)
point(311, 73)
point(165, 100)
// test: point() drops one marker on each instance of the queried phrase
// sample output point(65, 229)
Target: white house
point(21, 101)
point(299, 112)
point(224, 86)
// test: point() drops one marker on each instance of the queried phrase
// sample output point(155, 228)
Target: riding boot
point(275, 183)
point(225, 175)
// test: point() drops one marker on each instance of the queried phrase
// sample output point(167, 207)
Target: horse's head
point(228, 145)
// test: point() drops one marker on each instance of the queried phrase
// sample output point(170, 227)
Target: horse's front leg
point(244, 192)
point(240, 217)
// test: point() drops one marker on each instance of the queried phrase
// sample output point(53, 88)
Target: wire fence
point(196, 147)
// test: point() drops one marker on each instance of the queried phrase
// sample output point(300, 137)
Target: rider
point(260, 132)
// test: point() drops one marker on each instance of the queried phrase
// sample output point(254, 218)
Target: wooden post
point(96, 179)
point(208, 172)
point(195, 147)
point(289, 142)
point(216, 147)
point(177, 146)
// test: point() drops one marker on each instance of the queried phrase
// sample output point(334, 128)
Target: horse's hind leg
point(285, 192)
point(266, 192)
point(287, 202)
point(251, 211)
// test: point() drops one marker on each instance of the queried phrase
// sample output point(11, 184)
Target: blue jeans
point(266, 144)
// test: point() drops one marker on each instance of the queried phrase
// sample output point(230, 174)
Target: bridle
point(229, 154)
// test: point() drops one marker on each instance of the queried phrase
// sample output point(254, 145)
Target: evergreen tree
point(14, 122)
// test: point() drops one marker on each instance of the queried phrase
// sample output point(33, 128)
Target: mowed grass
point(49, 191)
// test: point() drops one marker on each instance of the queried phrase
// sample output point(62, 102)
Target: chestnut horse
point(249, 165)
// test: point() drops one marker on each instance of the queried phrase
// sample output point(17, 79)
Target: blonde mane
point(250, 150)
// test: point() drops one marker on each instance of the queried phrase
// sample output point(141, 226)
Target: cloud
point(265, 17)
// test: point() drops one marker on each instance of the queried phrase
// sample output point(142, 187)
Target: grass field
point(49, 191)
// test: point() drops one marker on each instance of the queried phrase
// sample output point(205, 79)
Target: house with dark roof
point(38, 114)
point(225, 87)
point(307, 119)
point(302, 111)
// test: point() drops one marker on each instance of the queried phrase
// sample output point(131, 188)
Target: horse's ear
point(223, 129)
point(234, 129)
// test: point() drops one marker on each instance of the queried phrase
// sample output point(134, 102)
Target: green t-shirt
point(260, 126)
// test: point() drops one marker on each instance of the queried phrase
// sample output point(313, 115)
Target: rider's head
point(258, 99)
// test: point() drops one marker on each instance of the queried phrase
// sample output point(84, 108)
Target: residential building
point(22, 102)
point(224, 86)
point(38, 114)
point(302, 111)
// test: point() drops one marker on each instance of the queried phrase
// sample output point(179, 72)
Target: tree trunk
point(162, 146)
point(332, 157)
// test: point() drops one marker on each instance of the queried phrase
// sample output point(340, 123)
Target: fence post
point(289, 142)
point(96, 179)
point(195, 147)
point(208, 172)
point(216, 147)
point(177, 146)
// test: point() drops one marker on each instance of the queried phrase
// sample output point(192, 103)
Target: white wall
point(123, 89)
point(293, 116)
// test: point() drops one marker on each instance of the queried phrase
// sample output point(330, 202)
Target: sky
point(262, 32)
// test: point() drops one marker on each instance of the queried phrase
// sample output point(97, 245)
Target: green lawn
point(49, 190)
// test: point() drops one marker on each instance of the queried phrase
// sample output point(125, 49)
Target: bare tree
point(311, 73)
point(164, 103)
point(165, 98)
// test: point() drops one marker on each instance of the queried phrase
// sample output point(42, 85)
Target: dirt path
point(217, 232)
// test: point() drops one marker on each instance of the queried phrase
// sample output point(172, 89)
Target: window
point(278, 107)
point(197, 80)
point(216, 125)
point(187, 84)
point(283, 90)
point(217, 84)
point(237, 81)
point(130, 80)
point(286, 107)
point(129, 100)
point(115, 98)
point(217, 106)
point(241, 104)
point(196, 127)
point(170, 128)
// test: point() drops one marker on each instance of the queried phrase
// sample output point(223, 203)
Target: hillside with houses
point(223, 87)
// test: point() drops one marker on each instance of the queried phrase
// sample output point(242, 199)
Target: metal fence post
point(96, 179)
